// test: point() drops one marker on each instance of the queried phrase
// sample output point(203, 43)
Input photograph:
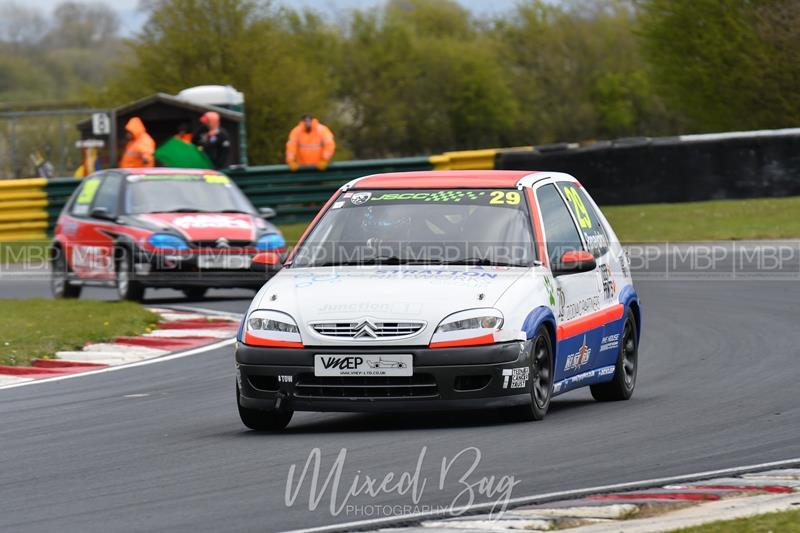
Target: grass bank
point(784, 522)
point(760, 218)
point(39, 328)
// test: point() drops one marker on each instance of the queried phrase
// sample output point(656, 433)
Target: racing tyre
point(127, 287)
point(59, 278)
point(195, 293)
point(541, 376)
point(621, 387)
point(263, 420)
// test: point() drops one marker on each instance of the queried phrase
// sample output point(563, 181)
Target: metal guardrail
point(297, 196)
point(29, 208)
point(58, 192)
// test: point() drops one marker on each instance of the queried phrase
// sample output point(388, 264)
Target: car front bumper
point(446, 378)
point(166, 270)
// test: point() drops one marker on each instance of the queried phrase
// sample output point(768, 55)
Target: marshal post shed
point(162, 114)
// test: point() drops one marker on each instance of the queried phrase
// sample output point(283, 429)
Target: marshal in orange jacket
point(310, 143)
point(140, 150)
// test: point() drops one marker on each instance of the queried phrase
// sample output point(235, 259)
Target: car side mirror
point(574, 262)
point(101, 213)
point(266, 262)
point(267, 212)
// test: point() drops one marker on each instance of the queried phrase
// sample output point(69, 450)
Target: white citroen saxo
point(440, 290)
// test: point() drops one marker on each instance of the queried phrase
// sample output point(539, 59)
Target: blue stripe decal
point(590, 377)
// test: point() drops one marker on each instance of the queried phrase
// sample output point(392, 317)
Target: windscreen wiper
point(392, 260)
point(480, 261)
point(181, 210)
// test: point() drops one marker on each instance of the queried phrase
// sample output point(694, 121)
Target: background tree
point(410, 77)
point(273, 56)
point(419, 77)
point(82, 25)
point(727, 64)
point(577, 73)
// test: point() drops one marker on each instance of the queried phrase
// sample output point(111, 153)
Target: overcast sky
point(132, 20)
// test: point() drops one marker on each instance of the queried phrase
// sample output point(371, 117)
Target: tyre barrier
point(23, 209)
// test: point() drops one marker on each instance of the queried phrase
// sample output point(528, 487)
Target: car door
point(92, 255)
point(578, 295)
point(597, 242)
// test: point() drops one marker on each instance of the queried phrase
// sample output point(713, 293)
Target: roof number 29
point(504, 197)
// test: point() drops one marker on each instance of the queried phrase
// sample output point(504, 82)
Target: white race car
point(482, 289)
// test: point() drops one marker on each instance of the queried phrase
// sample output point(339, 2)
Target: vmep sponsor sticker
point(363, 365)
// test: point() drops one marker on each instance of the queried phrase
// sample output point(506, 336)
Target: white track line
point(189, 308)
point(178, 355)
point(376, 523)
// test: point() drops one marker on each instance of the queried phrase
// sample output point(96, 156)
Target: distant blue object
point(272, 241)
point(164, 241)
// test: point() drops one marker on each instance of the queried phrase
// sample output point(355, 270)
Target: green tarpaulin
point(178, 154)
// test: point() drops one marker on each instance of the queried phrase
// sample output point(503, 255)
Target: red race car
point(161, 227)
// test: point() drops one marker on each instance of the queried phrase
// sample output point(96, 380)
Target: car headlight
point(165, 241)
point(468, 328)
point(272, 328)
point(271, 241)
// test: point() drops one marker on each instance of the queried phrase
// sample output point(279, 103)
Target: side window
point(587, 218)
point(108, 194)
point(84, 197)
point(560, 231)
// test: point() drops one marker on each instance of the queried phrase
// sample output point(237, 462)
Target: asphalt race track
point(717, 387)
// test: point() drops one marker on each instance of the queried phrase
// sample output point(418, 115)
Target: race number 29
point(504, 197)
point(577, 205)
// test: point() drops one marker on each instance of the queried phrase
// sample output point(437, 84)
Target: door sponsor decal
point(570, 310)
point(578, 359)
point(609, 342)
point(608, 283)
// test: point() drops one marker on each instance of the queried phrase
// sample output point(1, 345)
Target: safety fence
point(641, 170)
point(297, 196)
point(29, 208)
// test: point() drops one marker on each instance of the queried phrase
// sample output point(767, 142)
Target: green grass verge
point(39, 327)
point(785, 522)
point(23, 251)
point(292, 232)
point(762, 218)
